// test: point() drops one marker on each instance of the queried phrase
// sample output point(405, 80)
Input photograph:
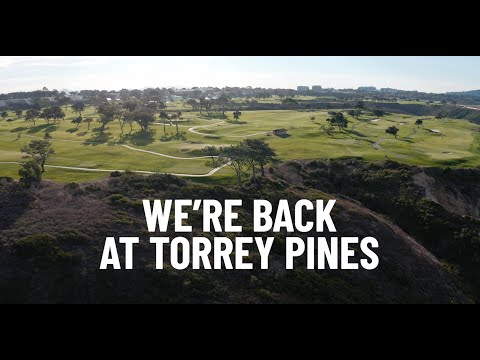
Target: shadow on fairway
point(142, 138)
point(72, 130)
point(99, 129)
point(18, 129)
point(233, 122)
point(98, 138)
point(353, 132)
point(38, 128)
point(214, 115)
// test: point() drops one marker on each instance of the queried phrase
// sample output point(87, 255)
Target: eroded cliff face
point(457, 191)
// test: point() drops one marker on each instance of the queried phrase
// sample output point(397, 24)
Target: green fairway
point(437, 143)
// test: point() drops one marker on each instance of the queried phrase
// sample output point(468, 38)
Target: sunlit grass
point(456, 144)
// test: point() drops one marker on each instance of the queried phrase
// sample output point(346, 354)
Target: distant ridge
point(475, 93)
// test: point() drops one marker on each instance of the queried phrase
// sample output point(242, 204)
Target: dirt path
point(210, 173)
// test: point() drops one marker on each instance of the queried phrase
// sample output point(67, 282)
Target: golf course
point(85, 154)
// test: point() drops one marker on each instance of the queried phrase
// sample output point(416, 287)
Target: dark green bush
point(72, 237)
point(44, 250)
point(117, 199)
point(73, 186)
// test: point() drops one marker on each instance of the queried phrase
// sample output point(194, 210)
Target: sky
point(429, 74)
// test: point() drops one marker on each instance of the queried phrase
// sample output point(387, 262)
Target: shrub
point(30, 174)
point(268, 296)
point(72, 237)
point(42, 249)
point(254, 282)
point(117, 199)
point(6, 179)
point(73, 187)
point(123, 218)
point(116, 174)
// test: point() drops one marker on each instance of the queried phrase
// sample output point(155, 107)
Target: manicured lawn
point(453, 143)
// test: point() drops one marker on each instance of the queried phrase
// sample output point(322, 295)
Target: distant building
point(388, 90)
point(303, 88)
point(280, 132)
point(317, 88)
point(9, 102)
point(367, 89)
point(76, 97)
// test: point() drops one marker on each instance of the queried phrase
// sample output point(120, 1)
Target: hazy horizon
point(435, 74)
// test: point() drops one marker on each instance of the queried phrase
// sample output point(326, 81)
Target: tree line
point(131, 111)
point(203, 104)
point(127, 113)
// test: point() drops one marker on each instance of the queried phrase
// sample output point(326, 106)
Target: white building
point(388, 90)
point(303, 88)
point(6, 103)
point(76, 97)
point(367, 88)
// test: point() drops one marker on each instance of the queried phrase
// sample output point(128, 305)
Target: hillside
point(438, 207)
point(475, 93)
point(52, 240)
point(450, 111)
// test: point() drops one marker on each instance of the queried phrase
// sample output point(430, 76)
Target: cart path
point(165, 155)
point(210, 173)
point(245, 136)
point(130, 148)
point(193, 130)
